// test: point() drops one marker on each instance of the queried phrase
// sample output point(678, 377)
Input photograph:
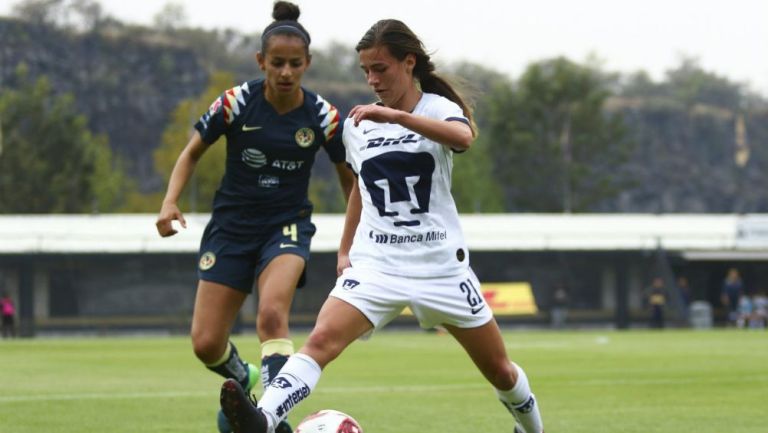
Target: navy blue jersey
point(269, 156)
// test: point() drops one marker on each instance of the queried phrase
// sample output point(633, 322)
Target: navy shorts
point(235, 260)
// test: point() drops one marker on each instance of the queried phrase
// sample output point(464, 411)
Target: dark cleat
point(283, 427)
point(222, 423)
point(240, 410)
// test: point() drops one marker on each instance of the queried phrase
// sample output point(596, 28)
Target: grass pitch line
point(99, 396)
point(668, 381)
point(406, 388)
point(370, 389)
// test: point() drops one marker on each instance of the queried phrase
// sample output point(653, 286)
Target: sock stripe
point(224, 357)
point(279, 346)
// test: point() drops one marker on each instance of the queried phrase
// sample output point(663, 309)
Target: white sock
point(294, 383)
point(521, 403)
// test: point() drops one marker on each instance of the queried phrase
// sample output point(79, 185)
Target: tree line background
point(94, 112)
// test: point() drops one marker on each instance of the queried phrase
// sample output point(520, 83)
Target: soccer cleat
point(222, 423)
point(221, 420)
point(283, 427)
point(240, 410)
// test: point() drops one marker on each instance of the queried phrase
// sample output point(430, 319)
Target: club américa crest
point(207, 260)
point(305, 137)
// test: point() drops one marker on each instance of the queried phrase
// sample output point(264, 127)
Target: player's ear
point(260, 60)
point(410, 62)
point(309, 59)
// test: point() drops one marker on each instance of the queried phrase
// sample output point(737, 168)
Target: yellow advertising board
point(510, 298)
point(506, 299)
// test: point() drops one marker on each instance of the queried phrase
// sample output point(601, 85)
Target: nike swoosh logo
point(365, 131)
point(477, 310)
point(288, 246)
point(247, 128)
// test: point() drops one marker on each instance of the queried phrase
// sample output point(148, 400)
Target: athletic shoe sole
point(243, 415)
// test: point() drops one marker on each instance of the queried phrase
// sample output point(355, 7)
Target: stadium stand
point(102, 273)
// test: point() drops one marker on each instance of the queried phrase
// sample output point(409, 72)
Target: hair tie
point(285, 28)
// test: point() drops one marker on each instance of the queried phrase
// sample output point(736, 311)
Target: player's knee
point(322, 346)
point(503, 375)
point(207, 347)
point(271, 322)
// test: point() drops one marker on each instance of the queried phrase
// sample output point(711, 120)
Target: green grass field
point(586, 382)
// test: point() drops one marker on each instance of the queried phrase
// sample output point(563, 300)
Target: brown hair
point(401, 41)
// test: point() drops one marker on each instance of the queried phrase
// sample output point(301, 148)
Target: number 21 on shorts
point(474, 298)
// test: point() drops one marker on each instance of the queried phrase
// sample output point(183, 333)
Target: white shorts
point(455, 300)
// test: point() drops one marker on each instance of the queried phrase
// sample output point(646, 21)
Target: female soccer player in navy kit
point(402, 243)
point(260, 226)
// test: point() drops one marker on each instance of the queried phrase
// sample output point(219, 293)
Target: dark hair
point(401, 41)
point(286, 15)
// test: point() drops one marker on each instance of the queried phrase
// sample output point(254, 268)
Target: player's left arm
point(351, 221)
point(453, 133)
point(346, 178)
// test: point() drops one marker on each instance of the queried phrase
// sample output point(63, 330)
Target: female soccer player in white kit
point(402, 243)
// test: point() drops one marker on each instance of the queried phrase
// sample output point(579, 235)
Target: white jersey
point(409, 225)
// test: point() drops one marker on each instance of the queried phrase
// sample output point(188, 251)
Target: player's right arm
point(352, 219)
point(182, 171)
point(457, 135)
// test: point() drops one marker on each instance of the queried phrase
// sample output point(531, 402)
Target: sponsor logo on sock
point(265, 378)
point(281, 382)
point(526, 406)
point(293, 399)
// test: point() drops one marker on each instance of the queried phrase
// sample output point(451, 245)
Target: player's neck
point(283, 103)
point(409, 101)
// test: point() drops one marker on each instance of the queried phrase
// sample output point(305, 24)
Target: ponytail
point(401, 41)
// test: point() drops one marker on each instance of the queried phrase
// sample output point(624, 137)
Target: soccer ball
point(328, 421)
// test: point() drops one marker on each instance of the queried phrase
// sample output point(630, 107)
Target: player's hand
point(168, 213)
point(374, 113)
point(342, 263)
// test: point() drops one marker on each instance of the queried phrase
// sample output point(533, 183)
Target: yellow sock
point(224, 357)
point(280, 346)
